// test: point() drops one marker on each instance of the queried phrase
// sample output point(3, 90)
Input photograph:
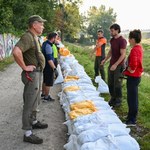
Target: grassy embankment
point(6, 62)
point(142, 132)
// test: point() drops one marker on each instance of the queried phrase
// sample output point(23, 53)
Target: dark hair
point(100, 30)
point(135, 34)
point(51, 35)
point(115, 27)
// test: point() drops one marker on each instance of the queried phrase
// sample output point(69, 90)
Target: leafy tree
point(72, 21)
point(68, 19)
point(100, 18)
point(22, 11)
point(14, 15)
point(6, 15)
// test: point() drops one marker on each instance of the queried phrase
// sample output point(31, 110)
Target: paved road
point(11, 134)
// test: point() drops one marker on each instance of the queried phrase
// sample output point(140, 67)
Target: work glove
point(55, 72)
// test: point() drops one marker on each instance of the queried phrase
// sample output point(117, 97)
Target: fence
point(7, 42)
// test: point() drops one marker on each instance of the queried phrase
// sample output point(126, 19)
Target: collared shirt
point(27, 45)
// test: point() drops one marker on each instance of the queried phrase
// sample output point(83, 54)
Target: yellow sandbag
point(83, 104)
point(71, 88)
point(70, 78)
point(82, 108)
point(80, 112)
point(64, 51)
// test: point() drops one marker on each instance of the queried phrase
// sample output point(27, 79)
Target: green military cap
point(35, 18)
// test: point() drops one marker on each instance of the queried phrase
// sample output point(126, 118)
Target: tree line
point(61, 15)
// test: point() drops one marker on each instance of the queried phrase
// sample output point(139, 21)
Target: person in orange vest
point(99, 50)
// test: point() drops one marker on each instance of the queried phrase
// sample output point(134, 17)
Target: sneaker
point(39, 125)
point(130, 123)
point(111, 102)
point(32, 139)
point(117, 103)
point(42, 95)
point(46, 99)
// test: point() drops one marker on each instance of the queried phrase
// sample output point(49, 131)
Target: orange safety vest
point(99, 49)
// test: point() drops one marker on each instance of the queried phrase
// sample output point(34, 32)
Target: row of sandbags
point(92, 124)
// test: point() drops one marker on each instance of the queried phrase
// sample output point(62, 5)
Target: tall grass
point(142, 132)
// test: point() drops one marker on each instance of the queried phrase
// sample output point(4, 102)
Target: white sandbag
point(68, 123)
point(66, 107)
point(87, 87)
point(84, 80)
point(84, 84)
point(126, 143)
point(105, 143)
point(101, 104)
point(60, 45)
point(91, 118)
point(105, 111)
point(92, 135)
point(72, 144)
point(96, 117)
point(118, 129)
point(89, 94)
point(63, 98)
point(96, 98)
point(67, 84)
point(108, 119)
point(102, 86)
point(60, 78)
point(86, 126)
point(76, 99)
point(72, 94)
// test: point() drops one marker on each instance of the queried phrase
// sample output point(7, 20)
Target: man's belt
point(37, 69)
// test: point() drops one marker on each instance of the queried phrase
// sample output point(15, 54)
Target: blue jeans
point(132, 97)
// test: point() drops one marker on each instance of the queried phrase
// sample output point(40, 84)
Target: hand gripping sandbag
point(102, 86)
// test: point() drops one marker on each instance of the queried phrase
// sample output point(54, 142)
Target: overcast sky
point(131, 14)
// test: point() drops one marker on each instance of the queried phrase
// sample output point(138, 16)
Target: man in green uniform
point(28, 55)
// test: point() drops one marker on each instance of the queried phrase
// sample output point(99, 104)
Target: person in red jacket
point(133, 72)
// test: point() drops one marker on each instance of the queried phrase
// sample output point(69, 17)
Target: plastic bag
point(102, 86)
point(59, 79)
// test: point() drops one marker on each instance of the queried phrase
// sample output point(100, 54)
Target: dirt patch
point(11, 134)
point(139, 132)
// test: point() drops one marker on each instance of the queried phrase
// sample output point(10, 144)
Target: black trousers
point(99, 68)
point(132, 97)
point(115, 83)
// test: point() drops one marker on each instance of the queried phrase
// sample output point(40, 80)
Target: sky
point(131, 14)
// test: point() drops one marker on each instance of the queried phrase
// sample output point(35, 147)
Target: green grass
point(146, 59)
point(6, 62)
point(83, 57)
point(142, 132)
